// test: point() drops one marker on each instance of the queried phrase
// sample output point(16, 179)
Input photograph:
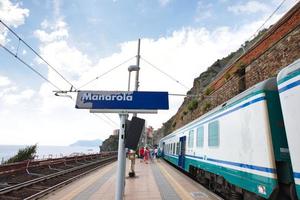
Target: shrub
point(227, 76)
point(27, 153)
point(206, 106)
point(174, 124)
point(193, 105)
point(241, 65)
point(208, 91)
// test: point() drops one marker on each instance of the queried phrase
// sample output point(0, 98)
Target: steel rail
point(59, 185)
point(50, 176)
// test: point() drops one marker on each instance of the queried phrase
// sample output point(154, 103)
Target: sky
point(84, 39)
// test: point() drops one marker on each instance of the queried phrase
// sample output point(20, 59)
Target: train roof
point(288, 71)
point(266, 85)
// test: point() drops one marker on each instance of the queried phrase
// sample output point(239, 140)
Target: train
point(247, 148)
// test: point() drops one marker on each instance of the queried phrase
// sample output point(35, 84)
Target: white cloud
point(48, 119)
point(249, 8)
point(164, 2)
point(12, 15)
point(18, 97)
point(56, 8)
point(59, 31)
point(4, 81)
point(10, 94)
point(203, 11)
point(184, 55)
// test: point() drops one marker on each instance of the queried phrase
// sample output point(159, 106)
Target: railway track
point(40, 185)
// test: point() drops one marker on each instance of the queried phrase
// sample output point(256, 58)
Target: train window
point(173, 145)
point(200, 136)
point(213, 134)
point(174, 148)
point(177, 148)
point(191, 139)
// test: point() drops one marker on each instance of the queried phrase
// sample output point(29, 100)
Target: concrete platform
point(156, 180)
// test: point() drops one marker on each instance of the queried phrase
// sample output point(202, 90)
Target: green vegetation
point(227, 76)
point(240, 71)
point(203, 81)
point(208, 91)
point(110, 144)
point(27, 153)
point(193, 105)
point(206, 106)
point(173, 125)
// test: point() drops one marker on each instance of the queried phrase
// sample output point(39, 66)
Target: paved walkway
point(156, 180)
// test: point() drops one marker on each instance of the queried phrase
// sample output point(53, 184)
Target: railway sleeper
point(55, 169)
point(6, 197)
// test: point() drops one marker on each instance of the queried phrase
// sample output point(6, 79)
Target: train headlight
point(261, 189)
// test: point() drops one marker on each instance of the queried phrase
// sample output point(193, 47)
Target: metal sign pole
point(121, 159)
point(123, 103)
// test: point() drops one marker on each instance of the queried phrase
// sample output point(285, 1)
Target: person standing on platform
point(146, 155)
point(131, 157)
point(155, 153)
point(159, 153)
point(141, 153)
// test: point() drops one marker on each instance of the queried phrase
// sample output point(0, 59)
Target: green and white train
point(245, 148)
point(289, 91)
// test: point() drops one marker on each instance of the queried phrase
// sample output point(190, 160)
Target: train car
point(289, 91)
point(238, 149)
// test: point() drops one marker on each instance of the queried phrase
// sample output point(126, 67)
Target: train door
point(181, 160)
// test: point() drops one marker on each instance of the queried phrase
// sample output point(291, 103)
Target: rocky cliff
point(258, 59)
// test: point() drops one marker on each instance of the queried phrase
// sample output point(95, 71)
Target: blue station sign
point(120, 100)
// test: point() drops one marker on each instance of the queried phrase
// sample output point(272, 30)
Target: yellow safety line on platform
point(90, 180)
point(182, 193)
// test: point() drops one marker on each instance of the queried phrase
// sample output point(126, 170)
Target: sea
point(44, 152)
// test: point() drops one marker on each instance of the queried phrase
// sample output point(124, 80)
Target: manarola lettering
point(106, 97)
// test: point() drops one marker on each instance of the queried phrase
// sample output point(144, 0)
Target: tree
point(27, 153)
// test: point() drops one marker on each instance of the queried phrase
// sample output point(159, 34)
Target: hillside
point(259, 59)
point(192, 106)
point(110, 144)
point(87, 143)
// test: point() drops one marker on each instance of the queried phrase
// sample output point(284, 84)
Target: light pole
point(135, 68)
point(121, 149)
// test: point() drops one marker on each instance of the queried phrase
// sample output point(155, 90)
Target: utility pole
point(137, 80)
point(120, 186)
point(138, 69)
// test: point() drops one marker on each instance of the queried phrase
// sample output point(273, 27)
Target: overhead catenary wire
point(47, 63)
point(113, 125)
point(106, 72)
point(35, 52)
point(110, 119)
point(183, 95)
point(51, 83)
point(30, 67)
point(166, 74)
point(277, 8)
point(235, 59)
